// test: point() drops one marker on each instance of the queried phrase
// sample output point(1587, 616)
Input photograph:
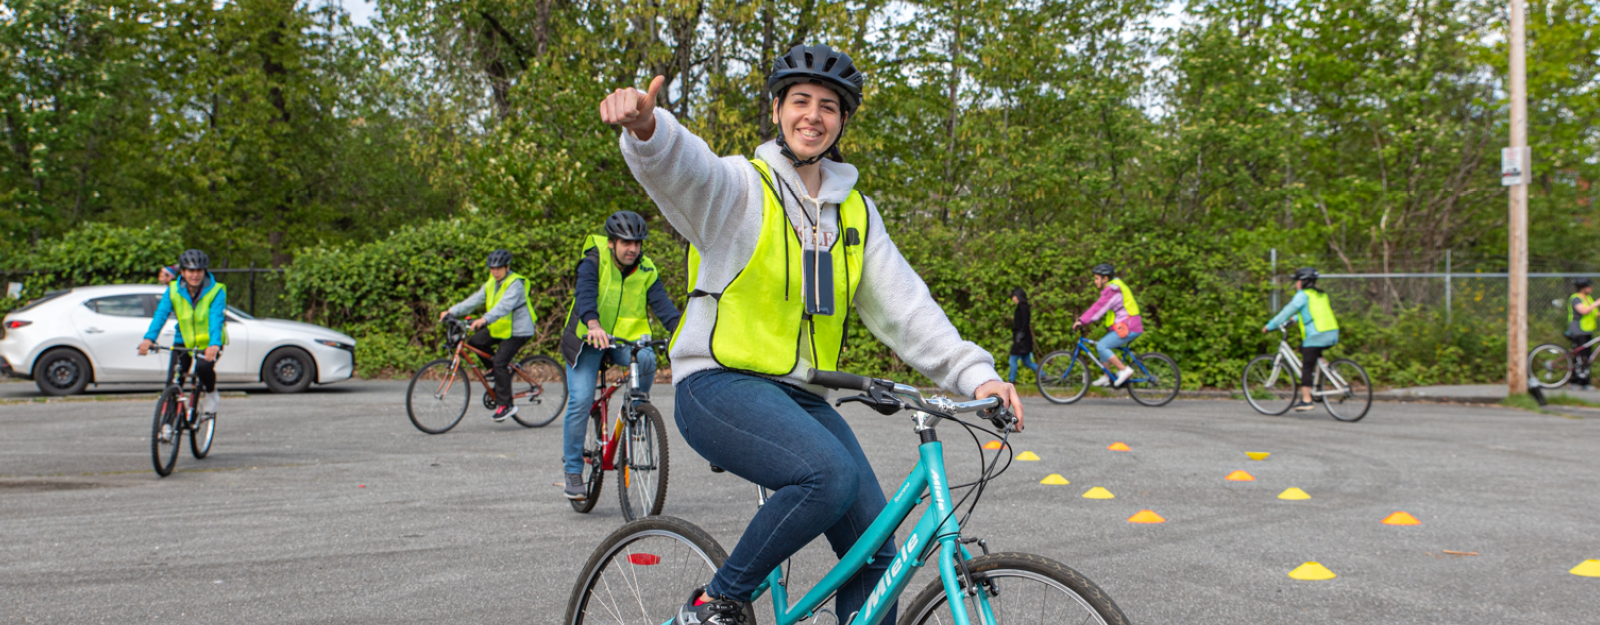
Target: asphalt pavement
point(329, 507)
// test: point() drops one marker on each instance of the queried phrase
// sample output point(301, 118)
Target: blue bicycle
point(1064, 374)
point(639, 574)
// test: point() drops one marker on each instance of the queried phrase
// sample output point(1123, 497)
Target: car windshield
point(240, 314)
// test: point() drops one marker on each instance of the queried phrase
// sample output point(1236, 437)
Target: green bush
point(92, 254)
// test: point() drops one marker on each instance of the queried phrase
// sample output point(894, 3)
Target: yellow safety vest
point(501, 328)
point(623, 302)
point(1585, 322)
point(761, 316)
point(1321, 313)
point(1127, 302)
point(194, 320)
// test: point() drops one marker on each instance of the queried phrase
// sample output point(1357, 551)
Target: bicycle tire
point(1160, 377)
point(1269, 399)
point(1550, 364)
point(594, 463)
point(431, 411)
point(203, 431)
point(166, 414)
point(643, 462)
point(1354, 404)
point(545, 382)
point(1007, 576)
point(656, 561)
point(1056, 384)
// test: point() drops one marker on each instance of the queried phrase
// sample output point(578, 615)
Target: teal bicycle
point(641, 572)
point(1064, 374)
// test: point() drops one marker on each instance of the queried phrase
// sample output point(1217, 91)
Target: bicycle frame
point(602, 406)
point(1287, 355)
point(457, 362)
point(1086, 345)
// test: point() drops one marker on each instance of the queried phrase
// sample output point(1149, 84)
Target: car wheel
point(288, 370)
point(62, 371)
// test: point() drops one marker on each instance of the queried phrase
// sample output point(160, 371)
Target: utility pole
point(1517, 305)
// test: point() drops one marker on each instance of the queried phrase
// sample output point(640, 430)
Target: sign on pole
point(1516, 166)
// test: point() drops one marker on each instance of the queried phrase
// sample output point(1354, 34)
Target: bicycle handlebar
point(992, 408)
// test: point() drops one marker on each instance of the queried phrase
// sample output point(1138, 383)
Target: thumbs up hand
point(633, 109)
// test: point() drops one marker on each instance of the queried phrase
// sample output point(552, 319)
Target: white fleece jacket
point(716, 202)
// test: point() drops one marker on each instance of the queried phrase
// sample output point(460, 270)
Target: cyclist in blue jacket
point(1318, 327)
point(197, 301)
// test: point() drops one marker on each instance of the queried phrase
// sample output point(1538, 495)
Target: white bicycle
point(1271, 382)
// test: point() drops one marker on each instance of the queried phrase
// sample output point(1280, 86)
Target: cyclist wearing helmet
point(1123, 324)
point(616, 284)
point(197, 300)
point(167, 274)
point(1582, 313)
point(1318, 327)
point(784, 246)
point(504, 328)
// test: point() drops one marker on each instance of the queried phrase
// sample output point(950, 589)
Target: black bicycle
point(178, 411)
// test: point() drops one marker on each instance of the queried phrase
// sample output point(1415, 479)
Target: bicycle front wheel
point(1063, 377)
point(1354, 399)
point(1019, 588)
point(541, 385)
point(1550, 365)
point(642, 573)
point(166, 437)
point(200, 438)
point(594, 463)
point(1269, 387)
point(1155, 380)
point(642, 465)
point(438, 397)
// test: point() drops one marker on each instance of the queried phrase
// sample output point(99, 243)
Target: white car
point(70, 339)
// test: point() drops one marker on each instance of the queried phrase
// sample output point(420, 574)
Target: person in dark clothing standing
point(1021, 335)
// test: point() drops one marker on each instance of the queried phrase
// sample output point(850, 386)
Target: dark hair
point(1021, 295)
point(833, 153)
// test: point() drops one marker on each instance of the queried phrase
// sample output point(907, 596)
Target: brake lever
point(887, 406)
point(1002, 418)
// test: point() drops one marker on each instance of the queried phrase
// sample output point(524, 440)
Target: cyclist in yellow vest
point(197, 301)
point(1318, 327)
point(617, 285)
point(785, 247)
point(1123, 321)
point(1582, 317)
point(504, 328)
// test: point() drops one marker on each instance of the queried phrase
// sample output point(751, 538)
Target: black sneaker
point(503, 412)
point(576, 489)
point(711, 612)
point(1304, 406)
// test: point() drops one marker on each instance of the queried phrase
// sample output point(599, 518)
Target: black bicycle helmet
point(499, 258)
point(1582, 283)
point(1306, 275)
point(1105, 269)
point(824, 66)
point(627, 225)
point(194, 259)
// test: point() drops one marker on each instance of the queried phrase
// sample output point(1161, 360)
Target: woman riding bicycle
point(1123, 322)
point(1318, 327)
point(786, 246)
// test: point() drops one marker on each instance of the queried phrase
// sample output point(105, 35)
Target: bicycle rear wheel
point(642, 465)
point(1352, 404)
point(541, 385)
point(1063, 378)
point(1020, 588)
point(1269, 387)
point(437, 397)
point(1155, 380)
point(1550, 364)
point(164, 449)
point(643, 572)
point(594, 463)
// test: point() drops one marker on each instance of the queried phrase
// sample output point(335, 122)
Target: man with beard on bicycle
point(197, 300)
point(503, 329)
point(1582, 314)
point(1319, 329)
point(784, 245)
point(617, 284)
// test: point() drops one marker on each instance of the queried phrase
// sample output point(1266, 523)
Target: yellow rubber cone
point(1027, 455)
point(1240, 476)
point(1146, 516)
point(1120, 446)
point(1589, 568)
point(1098, 493)
point(1258, 455)
point(1293, 494)
point(1054, 479)
point(1401, 518)
point(992, 445)
point(1311, 571)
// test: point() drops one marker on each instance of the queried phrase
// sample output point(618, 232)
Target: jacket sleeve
point(516, 296)
point(586, 293)
point(1108, 296)
point(470, 304)
point(215, 317)
point(1284, 316)
point(661, 304)
point(702, 195)
point(163, 311)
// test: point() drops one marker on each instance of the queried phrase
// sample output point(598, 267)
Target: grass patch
point(1523, 401)
point(1563, 399)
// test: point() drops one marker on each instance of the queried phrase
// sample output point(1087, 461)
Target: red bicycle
point(635, 445)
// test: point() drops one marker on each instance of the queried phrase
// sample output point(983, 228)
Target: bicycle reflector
point(643, 559)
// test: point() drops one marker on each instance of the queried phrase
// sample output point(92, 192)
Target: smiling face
point(627, 252)
point(194, 277)
point(811, 117)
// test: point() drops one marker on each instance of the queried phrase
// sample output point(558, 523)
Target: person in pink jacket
point(1116, 299)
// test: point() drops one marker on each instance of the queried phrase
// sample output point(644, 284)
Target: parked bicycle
point(440, 391)
point(1271, 381)
point(635, 445)
point(1064, 374)
point(1552, 365)
point(638, 574)
point(177, 411)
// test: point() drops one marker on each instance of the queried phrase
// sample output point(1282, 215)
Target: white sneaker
point(1101, 381)
point(166, 432)
point(1123, 375)
point(208, 403)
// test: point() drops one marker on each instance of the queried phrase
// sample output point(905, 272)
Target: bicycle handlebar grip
point(838, 380)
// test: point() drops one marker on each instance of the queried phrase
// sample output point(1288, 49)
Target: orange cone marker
point(1240, 476)
point(992, 445)
point(1401, 518)
point(1146, 516)
point(1120, 446)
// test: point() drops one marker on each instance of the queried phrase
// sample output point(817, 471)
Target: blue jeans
point(1011, 374)
point(796, 445)
point(1111, 341)
point(581, 378)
